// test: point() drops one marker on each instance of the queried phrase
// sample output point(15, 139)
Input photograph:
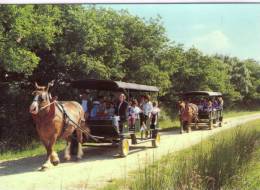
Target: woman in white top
point(133, 113)
point(154, 115)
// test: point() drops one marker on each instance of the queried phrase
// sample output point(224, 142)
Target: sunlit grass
point(164, 124)
point(208, 165)
point(228, 114)
point(248, 178)
point(35, 149)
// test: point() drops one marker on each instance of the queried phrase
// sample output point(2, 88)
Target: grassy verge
point(208, 165)
point(248, 178)
point(228, 114)
point(35, 149)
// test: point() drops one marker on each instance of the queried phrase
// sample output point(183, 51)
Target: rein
point(76, 125)
point(61, 108)
point(42, 108)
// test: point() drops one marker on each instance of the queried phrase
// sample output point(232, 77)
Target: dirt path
point(98, 166)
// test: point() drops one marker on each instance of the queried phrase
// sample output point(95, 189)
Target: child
point(154, 115)
point(134, 112)
point(110, 111)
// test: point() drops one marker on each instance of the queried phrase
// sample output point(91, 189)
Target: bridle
point(36, 99)
point(62, 110)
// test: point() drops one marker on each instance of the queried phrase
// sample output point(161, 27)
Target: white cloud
point(213, 42)
point(198, 27)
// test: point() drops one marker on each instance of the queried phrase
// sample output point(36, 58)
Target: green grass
point(35, 149)
point(248, 178)
point(210, 164)
point(228, 114)
point(165, 124)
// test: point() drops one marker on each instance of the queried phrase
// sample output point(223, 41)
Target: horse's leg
point(67, 155)
point(79, 139)
point(196, 122)
point(54, 156)
point(47, 163)
point(189, 124)
point(182, 126)
point(67, 135)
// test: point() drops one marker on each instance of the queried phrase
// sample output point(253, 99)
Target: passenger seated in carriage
point(84, 104)
point(110, 110)
point(200, 105)
point(215, 104)
point(95, 109)
point(205, 105)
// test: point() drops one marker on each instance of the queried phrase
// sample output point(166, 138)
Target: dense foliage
point(67, 42)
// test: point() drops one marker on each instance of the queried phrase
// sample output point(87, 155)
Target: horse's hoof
point(42, 168)
point(55, 162)
point(78, 158)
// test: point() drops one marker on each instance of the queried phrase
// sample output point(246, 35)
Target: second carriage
point(206, 118)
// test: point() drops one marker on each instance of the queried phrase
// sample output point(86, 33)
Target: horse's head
point(181, 105)
point(41, 97)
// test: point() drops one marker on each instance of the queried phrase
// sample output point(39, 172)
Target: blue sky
point(229, 29)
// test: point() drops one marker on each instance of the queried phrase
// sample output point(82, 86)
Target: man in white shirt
point(147, 109)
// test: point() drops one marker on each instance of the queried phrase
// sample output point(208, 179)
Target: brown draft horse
point(54, 119)
point(188, 113)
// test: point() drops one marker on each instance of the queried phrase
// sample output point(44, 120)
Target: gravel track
point(98, 166)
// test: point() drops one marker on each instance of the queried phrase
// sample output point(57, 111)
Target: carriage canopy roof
point(201, 93)
point(110, 85)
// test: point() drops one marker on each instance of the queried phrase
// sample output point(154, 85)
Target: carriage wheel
point(123, 147)
point(156, 141)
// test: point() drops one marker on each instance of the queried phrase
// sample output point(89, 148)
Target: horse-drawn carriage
point(104, 129)
point(201, 109)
